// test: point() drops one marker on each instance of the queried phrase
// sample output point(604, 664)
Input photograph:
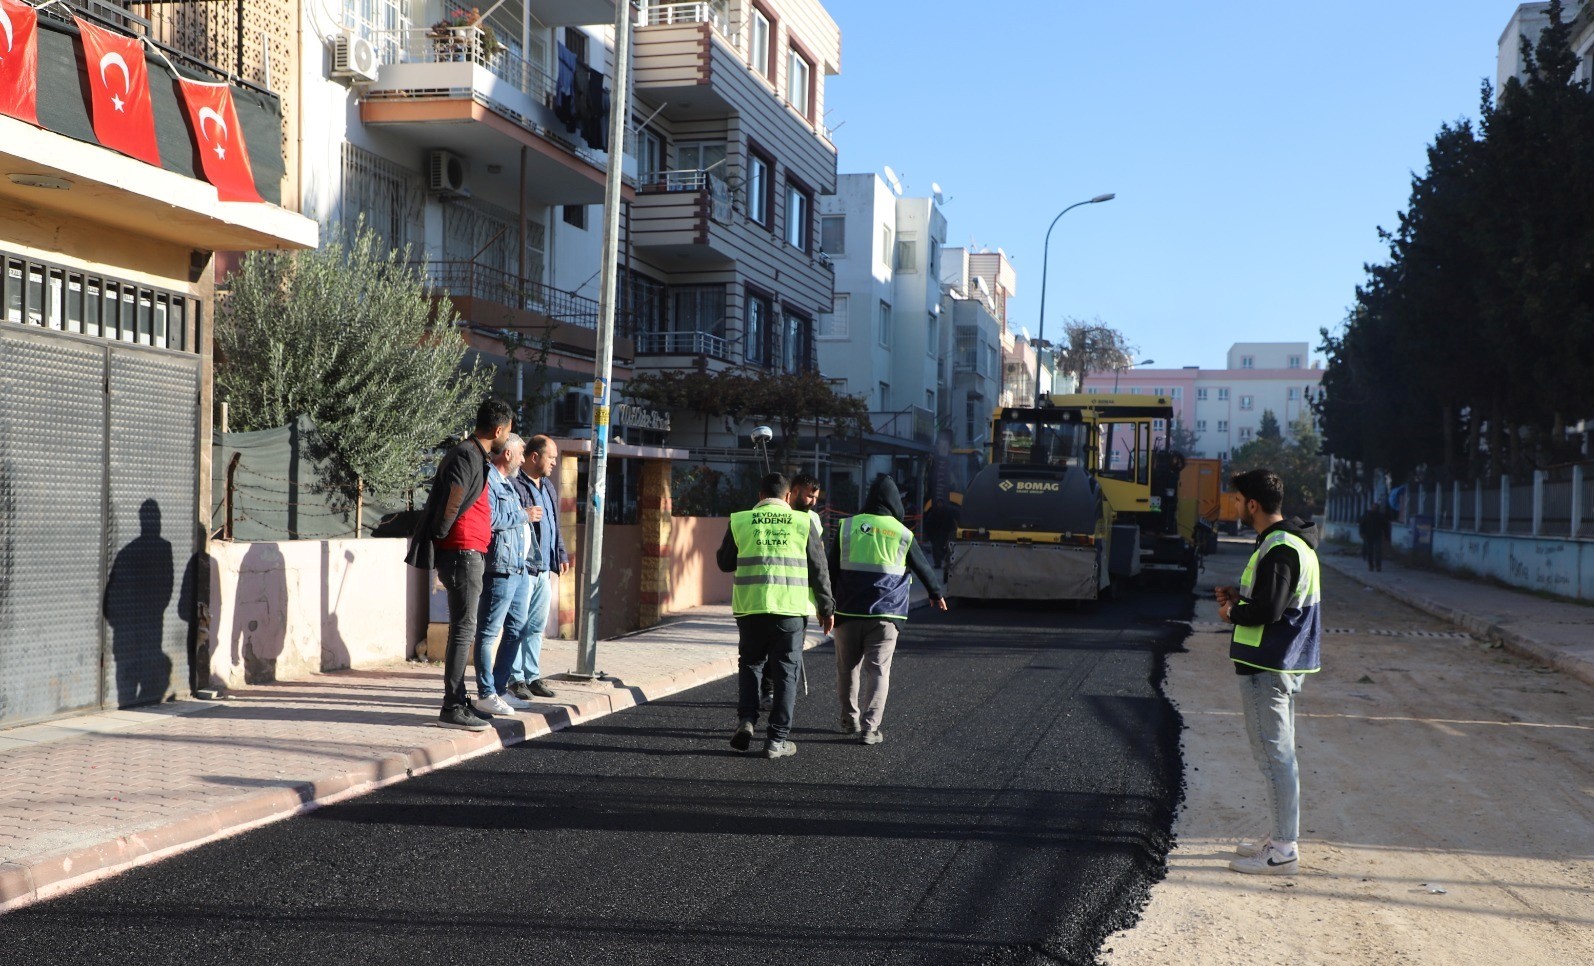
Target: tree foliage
point(1091, 346)
point(1472, 345)
point(344, 334)
point(791, 400)
point(1299, 460)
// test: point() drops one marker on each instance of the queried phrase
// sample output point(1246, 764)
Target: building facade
point(1223, 407)
point(106, 308)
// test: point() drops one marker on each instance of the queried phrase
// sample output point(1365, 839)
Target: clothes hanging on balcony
point(592, 107)
point(564, 97)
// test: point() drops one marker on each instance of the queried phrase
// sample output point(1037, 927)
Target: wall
point(695, 578)
point(1556, 565)
point(284, 611)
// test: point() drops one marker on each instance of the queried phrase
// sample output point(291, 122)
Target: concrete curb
point(29, 880)
point(1519, 644)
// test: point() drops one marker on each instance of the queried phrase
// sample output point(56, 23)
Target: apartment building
point(1224, 407)
point(973, 345)
point(885, 337)
point(106, 302)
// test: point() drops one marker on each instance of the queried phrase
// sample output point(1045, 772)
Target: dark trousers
point(461, 572)
point(1373, 550)
point(768, 644)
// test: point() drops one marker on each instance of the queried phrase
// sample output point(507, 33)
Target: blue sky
point(1254, 147)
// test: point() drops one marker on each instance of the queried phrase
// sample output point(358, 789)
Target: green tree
point(1299, 460)
point(1091, 346)
point(345, 334)
point(1269, 428)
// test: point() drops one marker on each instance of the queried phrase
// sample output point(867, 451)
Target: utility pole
point(608, 291)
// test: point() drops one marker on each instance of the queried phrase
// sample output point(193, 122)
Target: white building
point(1224, 407)
point(1529, 20)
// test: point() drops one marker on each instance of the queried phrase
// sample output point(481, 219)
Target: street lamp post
point(1119, 371)
point(1046, 252)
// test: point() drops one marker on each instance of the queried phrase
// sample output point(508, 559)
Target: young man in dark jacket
point(1278, 630)
point(869, 565)
point(451, 537)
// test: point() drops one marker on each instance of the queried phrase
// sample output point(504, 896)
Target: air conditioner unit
point(353, 57)
point(445, 175)
point(575, 408)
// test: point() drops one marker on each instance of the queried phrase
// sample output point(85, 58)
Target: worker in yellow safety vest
point(778, 561)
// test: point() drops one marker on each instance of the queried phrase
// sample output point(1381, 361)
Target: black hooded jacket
point(885, 500)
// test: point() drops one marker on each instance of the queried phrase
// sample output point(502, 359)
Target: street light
point(1119, 371)
point(1046, 252)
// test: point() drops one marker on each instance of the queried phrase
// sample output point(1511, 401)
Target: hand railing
point(477, 281)
point(683, 343)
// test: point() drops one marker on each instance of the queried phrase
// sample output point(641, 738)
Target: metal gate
point(99, 484)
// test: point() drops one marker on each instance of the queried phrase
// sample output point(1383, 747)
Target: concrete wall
point(694, 577)
point(1553, 564)
point(284, 611)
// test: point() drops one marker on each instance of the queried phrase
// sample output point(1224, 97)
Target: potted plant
point(461, 33)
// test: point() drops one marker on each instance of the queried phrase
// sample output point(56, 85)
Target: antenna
point(893, 182)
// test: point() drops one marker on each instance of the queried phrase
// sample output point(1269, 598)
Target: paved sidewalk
point(86, 797)
point(1551, 632)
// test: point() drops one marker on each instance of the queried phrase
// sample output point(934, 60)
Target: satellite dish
point(893, 181)
point(935, 189)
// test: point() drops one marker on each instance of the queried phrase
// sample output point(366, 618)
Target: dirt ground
point(1447, 804)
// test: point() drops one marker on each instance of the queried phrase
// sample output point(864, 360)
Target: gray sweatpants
point(864, 647)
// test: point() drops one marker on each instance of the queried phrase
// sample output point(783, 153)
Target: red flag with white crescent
point(222, 155)
point(124, 118)
point(19, 61)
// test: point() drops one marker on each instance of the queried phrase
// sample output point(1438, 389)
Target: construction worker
point(802, 497)
point(870, 561)
point(777, 560)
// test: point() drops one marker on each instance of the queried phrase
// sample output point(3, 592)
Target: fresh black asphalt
point(1017, 812)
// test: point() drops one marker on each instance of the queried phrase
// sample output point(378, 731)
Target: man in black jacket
point(451, 537)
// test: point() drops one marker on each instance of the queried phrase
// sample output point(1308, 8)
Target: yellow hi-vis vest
point(1293, 644)
point(874, 581)
point(771, 561)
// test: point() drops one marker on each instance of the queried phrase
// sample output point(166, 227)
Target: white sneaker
point(519, 704)
point(1249, 847)
point(1271, 860)
point(492, 705)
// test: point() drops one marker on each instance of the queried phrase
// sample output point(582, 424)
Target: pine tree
point(345, 335)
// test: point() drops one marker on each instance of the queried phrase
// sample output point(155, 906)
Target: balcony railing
point(473, 280)
point(911, 422)
point(664, 14)
point(683, 344)
point(465, 44)
point(705, 179)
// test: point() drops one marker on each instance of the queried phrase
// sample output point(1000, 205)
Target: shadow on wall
point(137, 594)
point(334, 649)
point(259, 630)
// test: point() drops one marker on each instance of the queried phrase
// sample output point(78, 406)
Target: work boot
point(743, 736)
point(779, 748)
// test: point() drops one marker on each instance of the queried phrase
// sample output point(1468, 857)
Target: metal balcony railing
point(664, 14)
point(473, 280)
point(910, 422)
point(707, 179)
point(683, 343)
point(464, 44)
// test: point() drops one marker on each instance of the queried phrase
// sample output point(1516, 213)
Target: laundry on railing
point(564, 98)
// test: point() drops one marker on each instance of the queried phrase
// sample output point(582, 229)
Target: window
point(795, 343)
point(837, 323)
point(885, 397)
point(759, 49)
point(1223, 425)
point(905, 259)
point(698, 308)
point(1248, 362)
point(54, 297)
point(932, 337)
point(799, 210)
point(755, 330)
point(1247, 402)
point(649, 155)
point(1245, 433)
point(1200, 425)
point(799, 77)
point(886, 252)
point(1201, 395)
point(1223, 394)
point(833, 234)
point(1295, 362)
point(759, 187)
point(700, 156)
point(929, 400)
point(576, 43)
point(885, 324)
point(576, 215)
point(1294, 393)
point(1177, 392)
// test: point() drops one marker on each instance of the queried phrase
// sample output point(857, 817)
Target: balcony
point(675, 217)
point(910, 423)
point(498, 299)
point(453, 88)
point(683, 344)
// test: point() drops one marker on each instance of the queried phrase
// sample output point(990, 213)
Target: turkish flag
point(220, 140)
point(19, 61)
point(124, 119)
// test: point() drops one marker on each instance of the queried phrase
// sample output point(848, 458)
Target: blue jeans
point(525, 660)
point(503, 608)
point(768, 644)
point(1268, 698)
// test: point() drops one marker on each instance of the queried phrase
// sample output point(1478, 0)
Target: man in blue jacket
point(506, 588)
point(1278, 629)
point(545, 556)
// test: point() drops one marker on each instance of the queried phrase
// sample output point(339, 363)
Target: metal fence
point(1558, 502)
